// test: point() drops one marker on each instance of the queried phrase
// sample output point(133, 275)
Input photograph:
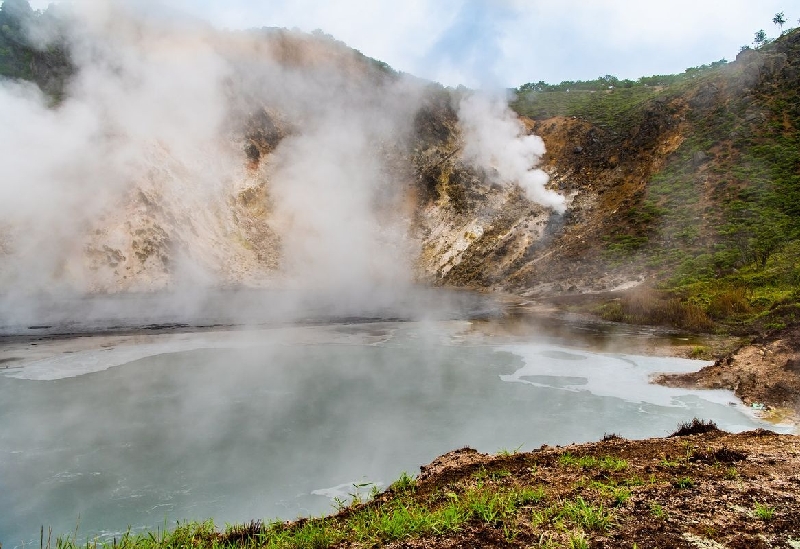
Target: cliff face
point(316, 162)
point(691, 182)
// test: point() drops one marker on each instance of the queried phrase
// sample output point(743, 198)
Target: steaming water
point(275, 422)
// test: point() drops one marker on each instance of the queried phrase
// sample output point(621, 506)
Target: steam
point(143, 113)
point(496, 140)
point(324, 184)
point(141, 160)
point(138, 179)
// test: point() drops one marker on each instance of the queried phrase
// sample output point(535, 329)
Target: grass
point(763, 512)
point(405, 483)
point(588, 462)
point(657, 511)
point(553, 499)
point(576, 513)
point(578, 542)
point(649, 306)
point(669, 463)
point(585, 515)
point(397, 516)
point(505, 452)
point(619, 495)
point(483, 474)
point(700, 352)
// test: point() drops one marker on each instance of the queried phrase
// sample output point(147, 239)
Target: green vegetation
point(610, 489)
point(549, 498)
point(606, 462)
point(584, 515)
point(649, 306)
point(607, 102)
point(700, 352)
point(49, 66)
point(483, 474)
point(405, 483)
point(763, 511)
point(398, 517)
point(718, 224)
point(613, 109)
point(731, 473)
point(657, 511)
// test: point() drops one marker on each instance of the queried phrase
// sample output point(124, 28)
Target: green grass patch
point(396, 518)
point(405, 483)
point(618, 494)
point(763, 512)
point(483, 474)
point(586, 516)
point(658, 511)
point(589, 462)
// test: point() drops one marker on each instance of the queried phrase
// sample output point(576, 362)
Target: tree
point(779, 20)
point(15, 13)
point(760, 38)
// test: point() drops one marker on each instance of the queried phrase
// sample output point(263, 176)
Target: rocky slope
point(687, 182)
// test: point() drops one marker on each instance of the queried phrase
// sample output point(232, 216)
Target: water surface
point(274, 422)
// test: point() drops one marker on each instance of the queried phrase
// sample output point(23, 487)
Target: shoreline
point(517, 320)
point(764, 374)
point(698, 487)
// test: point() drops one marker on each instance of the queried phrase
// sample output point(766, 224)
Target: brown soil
point(765, 372)
point(692, 491)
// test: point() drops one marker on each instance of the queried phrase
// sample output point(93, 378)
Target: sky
point(506, 43)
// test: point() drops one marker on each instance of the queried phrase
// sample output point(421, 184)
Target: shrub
point(695, 427)
point(649, 306)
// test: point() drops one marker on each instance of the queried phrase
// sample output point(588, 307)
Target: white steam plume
point(143, 113)
point(143, 159)
point(496, 140)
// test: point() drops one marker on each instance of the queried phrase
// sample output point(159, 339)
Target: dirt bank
point(695, 491)
point(765, 372)
point(705, 490)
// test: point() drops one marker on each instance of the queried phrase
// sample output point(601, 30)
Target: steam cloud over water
point(140, 177)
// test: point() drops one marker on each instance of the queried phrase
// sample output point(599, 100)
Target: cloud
point(573, 40)
point(517, 41)
point(469, 50)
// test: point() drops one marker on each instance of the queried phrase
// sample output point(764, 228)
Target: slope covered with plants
point(712, 214)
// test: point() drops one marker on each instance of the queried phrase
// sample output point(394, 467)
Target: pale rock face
point(170, 229)
point(188, 157)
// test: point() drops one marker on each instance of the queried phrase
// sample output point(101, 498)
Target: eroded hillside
point(275, 157)
point(682, 183)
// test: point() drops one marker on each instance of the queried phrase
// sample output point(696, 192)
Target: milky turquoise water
point(273, 423)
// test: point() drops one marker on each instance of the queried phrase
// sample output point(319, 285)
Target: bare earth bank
point(764, 373)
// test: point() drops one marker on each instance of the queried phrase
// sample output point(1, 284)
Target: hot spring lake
point(139, 430)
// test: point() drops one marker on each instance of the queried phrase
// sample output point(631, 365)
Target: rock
point(698, 159)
